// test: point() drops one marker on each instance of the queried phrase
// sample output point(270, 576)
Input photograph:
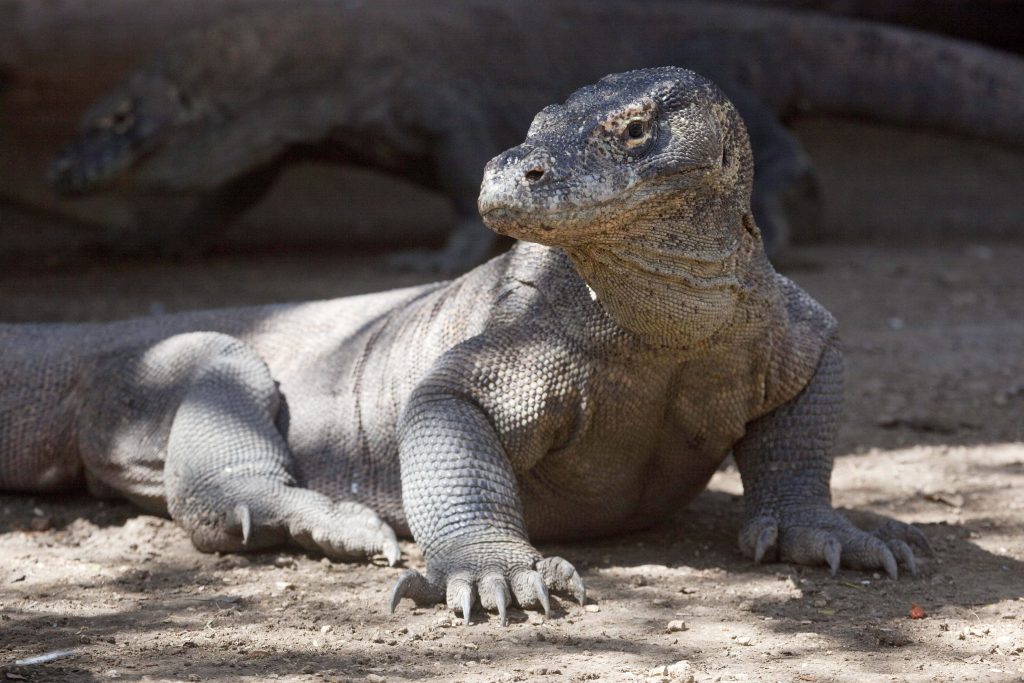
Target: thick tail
point(36, 444)
point(803, 61)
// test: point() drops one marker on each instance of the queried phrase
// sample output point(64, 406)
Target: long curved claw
point(501, 598)
point(904, 555)
point(403, 586)
point(889, 563)
point(765, 540)
point(833, 553)
point(542, 593)
point(244, 517)
point(466, 600)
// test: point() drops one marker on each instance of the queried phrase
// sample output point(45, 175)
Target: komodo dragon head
point(644, 179)
point(117, 131)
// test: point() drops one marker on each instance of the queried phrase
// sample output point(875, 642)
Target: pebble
point(593, 608)
point(679, 672)
point(745, 640)
point(677, 625)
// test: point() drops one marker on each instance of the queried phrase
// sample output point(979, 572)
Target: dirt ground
point(934, 435)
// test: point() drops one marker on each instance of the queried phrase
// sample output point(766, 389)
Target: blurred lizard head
point(117, 131)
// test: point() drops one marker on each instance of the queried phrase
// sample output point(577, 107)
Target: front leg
point(461, 499)
point(785, 463)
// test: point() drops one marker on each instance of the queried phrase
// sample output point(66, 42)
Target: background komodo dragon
point(588, 382)
point(431, 91)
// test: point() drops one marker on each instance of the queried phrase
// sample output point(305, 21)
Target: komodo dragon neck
point(672, 293)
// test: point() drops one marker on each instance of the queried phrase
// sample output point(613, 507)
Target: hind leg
point(228, 477)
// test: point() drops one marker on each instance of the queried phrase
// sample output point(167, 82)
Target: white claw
point(501, 597)
point(467, 606)
point(244, 518)
point(542, 593)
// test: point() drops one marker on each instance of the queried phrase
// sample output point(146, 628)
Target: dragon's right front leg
point(461, 498)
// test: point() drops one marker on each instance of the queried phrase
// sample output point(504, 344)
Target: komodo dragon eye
point(636, 129)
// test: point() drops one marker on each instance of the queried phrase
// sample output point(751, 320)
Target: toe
point(562, 577)
point(494, 595)
point(531, 591)
point(461, 595)
point(758, 538)
point(411, 584)
point(810, 545)
point(904, 555)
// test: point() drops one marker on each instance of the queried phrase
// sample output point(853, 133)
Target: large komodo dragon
point(587, 382)
point(431, 91)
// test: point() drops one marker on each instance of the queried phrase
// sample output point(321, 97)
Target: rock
point(593, 608)
point(677, 625)
point(679, 672)
point(745, 640)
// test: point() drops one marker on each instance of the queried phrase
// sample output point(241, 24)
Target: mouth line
point(542, 215)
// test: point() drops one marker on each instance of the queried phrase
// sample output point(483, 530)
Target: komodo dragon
point(431, 91)
point(588, 382)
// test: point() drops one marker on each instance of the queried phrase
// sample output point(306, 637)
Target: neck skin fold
point(677, 278)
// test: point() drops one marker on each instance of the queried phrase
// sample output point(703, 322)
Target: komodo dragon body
point(431, 91)
point(587, 382)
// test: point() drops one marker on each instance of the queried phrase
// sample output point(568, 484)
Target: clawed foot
point(343, 531)
point(496, 581)
point(823, 536)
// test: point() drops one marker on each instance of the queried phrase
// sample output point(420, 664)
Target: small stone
point(680, 672)
point(745, 640)
point(593, 608)
point(285, 585)
point(677, 625)
point(535, 619)
point(820, 602)
point(325, 628)
point(284, 562)
point(638, 581)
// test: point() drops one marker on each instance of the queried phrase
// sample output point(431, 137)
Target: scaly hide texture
point(589, 382)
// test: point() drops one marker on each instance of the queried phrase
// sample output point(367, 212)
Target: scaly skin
point(588, 382)
point(441, 87)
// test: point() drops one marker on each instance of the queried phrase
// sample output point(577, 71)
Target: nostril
point(534, 174)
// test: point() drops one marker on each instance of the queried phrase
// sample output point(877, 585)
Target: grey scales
point(588, 382)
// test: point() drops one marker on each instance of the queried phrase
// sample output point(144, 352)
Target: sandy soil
point(934, 435)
